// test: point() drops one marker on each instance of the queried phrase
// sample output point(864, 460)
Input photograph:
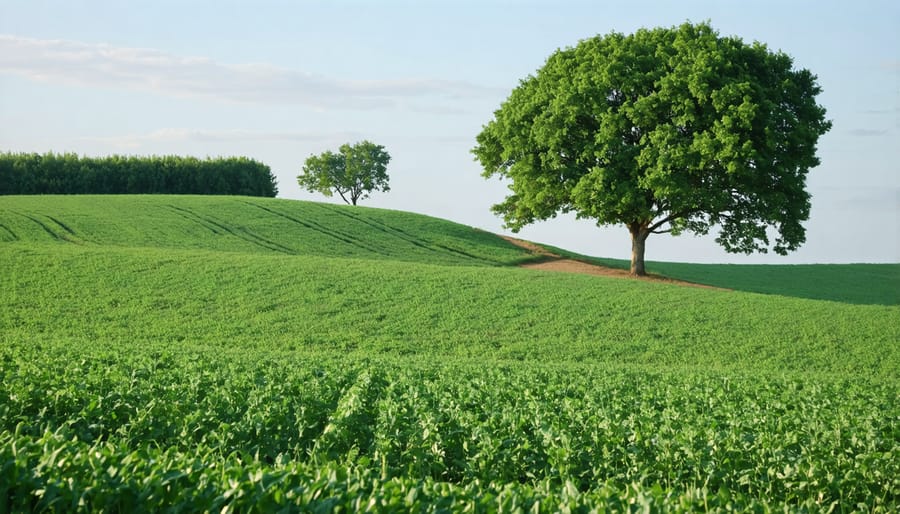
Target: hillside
point(251, 225)
point(243, 224)
point(222, 354)
point(235, 271)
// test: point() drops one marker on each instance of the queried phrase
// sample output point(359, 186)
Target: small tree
point(665, 130)
point(353, 172)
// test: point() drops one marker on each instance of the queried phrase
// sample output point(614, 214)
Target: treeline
point(49, 173)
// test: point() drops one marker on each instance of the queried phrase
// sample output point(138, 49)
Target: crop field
point(234, 354)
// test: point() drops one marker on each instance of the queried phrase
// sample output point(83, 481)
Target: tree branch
point(667, 219)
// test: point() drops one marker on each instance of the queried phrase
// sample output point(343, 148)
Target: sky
point(278, 81)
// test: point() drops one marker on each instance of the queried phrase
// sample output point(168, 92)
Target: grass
point(242, 354)
point(142, 296)
point(249, 225)
point(867, 284)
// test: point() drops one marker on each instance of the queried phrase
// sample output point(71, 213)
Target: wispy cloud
point(175, 135)
point(883, 112)
point(868, 132)
point(101, 65)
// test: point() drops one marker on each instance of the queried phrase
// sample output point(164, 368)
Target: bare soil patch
point(554, 262)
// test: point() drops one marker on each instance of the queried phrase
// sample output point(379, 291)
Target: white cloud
point(170, 135)
point(100, 65)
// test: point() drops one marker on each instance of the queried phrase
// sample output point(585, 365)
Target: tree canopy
point(353, 172)
point(664, 130)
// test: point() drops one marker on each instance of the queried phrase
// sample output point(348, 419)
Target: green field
point(871, 284)
point(219, 353)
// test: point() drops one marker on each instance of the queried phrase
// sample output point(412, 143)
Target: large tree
point(665, 130)
point(353, 172)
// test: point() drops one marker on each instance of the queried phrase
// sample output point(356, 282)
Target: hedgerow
point(50, 173)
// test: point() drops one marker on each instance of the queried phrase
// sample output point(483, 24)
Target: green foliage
point(201, 430)
point(665, 130)
point(187, 369)
point(23, 173)
point(354, 172)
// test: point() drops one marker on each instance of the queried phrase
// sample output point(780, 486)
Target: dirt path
point(554, 262)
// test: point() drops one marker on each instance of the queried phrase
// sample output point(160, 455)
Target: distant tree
point(664, 130)
point(353, 172)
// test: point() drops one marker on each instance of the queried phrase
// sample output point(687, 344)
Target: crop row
point(394, 430)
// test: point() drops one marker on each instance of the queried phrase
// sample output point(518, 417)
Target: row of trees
point(50, 173)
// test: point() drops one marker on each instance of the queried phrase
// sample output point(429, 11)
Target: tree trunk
point(638, 239)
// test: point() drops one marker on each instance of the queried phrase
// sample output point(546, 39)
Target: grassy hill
point(248, 225)
point(263, 353)
point(149, 296)
point(238, 271)
point(253, 225)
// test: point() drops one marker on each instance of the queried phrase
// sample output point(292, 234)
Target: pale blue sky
point(279, 80)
